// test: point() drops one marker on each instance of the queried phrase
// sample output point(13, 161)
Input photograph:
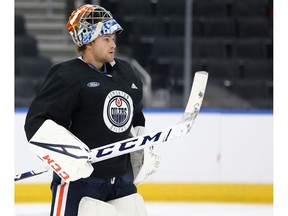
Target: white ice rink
point(172, 209)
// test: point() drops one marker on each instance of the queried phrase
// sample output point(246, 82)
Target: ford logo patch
point(93, 84)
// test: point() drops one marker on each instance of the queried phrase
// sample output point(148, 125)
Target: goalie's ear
point(62, 151)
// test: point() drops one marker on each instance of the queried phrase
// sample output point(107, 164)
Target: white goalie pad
point(92, 207)
point(131, 205)
point(62, 151)
point(144, 162)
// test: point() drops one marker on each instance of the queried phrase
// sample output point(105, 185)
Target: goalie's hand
point(150, 165)
point(144, 162)
point(62, 151)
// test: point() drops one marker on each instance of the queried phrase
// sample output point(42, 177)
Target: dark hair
point(81, 49)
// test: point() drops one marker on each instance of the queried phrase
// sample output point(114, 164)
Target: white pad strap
point(62, 151)
point(92, 207)
point(132, 205)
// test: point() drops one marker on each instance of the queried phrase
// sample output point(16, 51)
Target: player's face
point(104, 48)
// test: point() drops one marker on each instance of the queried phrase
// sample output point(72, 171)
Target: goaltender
point(98, 98)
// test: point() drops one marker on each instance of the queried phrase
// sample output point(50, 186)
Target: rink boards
point(227, 157)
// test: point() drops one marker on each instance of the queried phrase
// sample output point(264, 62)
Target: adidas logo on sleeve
point(133, 86)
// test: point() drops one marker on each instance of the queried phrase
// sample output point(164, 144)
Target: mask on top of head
point(90, 21)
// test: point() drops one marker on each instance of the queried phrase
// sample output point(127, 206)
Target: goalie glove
point(62, 151)
point(144, 162)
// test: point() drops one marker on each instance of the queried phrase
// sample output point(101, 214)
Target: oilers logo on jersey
point(117, 111)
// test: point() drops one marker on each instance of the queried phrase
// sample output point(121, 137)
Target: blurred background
point(228, 156)
point(232, 40)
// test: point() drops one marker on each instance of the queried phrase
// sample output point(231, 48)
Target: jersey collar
point(104, 71)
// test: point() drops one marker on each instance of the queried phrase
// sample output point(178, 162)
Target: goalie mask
point(90, 21)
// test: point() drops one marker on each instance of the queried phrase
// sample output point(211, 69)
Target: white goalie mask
point(90, 21)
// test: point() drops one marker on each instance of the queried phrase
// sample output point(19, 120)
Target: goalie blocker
point(71, 159)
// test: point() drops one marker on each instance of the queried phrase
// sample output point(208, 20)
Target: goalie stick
point(30, 173)
point(79, 152)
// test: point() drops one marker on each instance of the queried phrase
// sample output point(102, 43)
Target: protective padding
point(93, 207)
point(66, 154)
point(144, 162)
point(132, 205)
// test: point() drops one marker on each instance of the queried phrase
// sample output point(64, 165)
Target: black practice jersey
point(97, 108)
